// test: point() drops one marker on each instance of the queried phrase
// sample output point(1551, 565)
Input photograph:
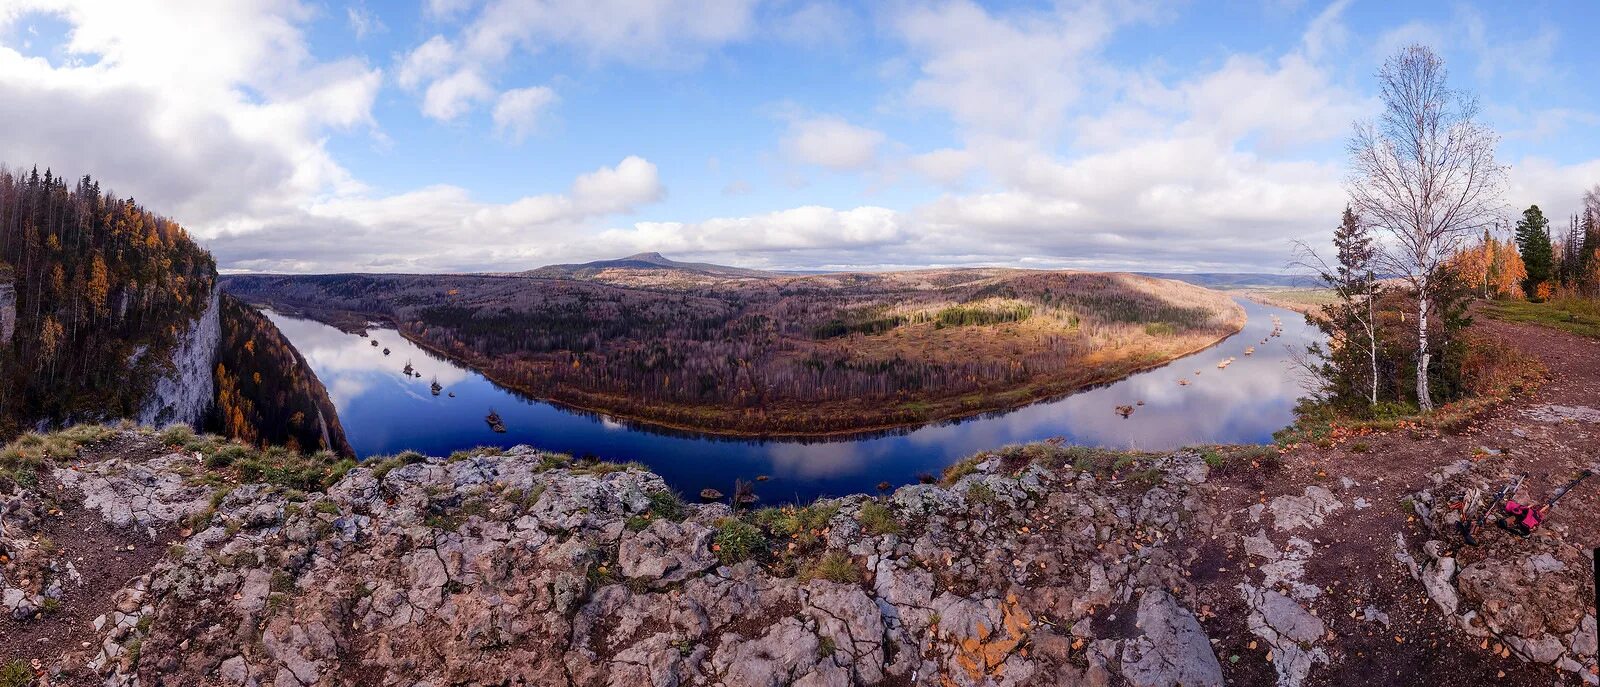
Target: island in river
point(746, 352)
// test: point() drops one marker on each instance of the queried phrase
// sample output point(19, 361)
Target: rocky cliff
point(8, 308)
point(153, 560)
point(185, 392)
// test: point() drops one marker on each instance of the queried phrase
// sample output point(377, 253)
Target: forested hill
point(266, 392)
point(103, 289)
point(108, 310)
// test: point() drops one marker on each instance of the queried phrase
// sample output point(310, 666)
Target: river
point(385, 411)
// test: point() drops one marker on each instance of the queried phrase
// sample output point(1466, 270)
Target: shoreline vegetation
point(1026, 398)
point(795, 357)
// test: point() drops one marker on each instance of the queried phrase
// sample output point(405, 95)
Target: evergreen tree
point(1538, 257)
point(1349, 364)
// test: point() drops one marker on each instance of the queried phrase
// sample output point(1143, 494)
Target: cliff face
point(186, 392)
point(8, 309)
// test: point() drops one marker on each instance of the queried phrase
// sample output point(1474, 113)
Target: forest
point(267, 395)
point(102, 289)
point(779, 354)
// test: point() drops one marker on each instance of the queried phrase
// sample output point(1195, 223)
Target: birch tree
point(1424, 175)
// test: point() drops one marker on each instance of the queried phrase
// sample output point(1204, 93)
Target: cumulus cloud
point(440, 228)
point(460, 73)
point(518, 111)
point(833, 143)
point(452, 96)
point(211, 141)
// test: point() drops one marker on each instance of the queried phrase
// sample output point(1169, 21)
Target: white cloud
point(818, 24)
point(833, 143)
point(518, 111)
point(452, 96)
point(652, 32)
point(1014, 75)
point(212, 141)
point(440, 227)
point(362, 21)
point(426, 62)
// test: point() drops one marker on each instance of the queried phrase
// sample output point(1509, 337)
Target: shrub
point(877, 519)
point(737, 541)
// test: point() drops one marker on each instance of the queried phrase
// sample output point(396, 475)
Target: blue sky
point(446, 135)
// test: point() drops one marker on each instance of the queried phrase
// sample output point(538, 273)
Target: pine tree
point(1533, 242)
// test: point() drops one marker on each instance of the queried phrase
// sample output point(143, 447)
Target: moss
point(282, 581)
point(1145, 479)
point(636, 523)
point(877, 519)
point(980, 493)
point(825, 647)
point(326, 507)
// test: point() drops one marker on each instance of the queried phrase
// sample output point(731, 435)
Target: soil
point(100, 553)
point(1354, 549)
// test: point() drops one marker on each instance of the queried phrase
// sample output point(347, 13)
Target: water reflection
point(384, 411)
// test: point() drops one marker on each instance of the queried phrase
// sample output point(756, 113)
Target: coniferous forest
point(103, 288)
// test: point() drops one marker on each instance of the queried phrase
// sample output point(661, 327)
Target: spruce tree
point(1533, 242)
point(1349, 365)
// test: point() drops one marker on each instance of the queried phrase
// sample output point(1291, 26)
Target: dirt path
point(1378, 624)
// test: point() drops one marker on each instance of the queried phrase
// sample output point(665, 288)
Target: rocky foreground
point(131, 563)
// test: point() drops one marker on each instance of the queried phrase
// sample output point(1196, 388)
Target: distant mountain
point(1238, 280)
point(644, 261)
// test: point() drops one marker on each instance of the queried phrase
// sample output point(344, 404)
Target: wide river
point(384, 411)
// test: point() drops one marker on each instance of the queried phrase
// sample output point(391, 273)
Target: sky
point(498, 135)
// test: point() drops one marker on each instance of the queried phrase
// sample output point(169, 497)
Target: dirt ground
point(1354, 557)
point(101, 554)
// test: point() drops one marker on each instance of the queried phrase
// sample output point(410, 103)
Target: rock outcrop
point(525, 568)
point(1526, 597)
point(186, 392)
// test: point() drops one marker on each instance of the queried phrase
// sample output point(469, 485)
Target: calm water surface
point(384, 411)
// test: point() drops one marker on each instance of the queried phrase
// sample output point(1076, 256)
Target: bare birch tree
point(1425, 175)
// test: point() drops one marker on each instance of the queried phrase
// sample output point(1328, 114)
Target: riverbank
point(814, 356)
point(712, 423)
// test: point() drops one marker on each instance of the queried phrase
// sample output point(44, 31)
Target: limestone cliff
point(186, 391)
